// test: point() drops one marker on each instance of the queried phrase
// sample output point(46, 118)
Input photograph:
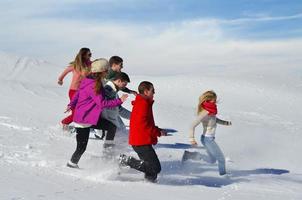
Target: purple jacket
point(88, 106)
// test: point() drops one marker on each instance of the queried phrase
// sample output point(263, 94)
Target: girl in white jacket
point(207, 110)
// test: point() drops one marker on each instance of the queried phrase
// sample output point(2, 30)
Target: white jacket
point(209, 123)
point(113, 114)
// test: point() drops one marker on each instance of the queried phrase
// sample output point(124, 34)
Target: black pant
point(148, 163)
point(82, 140)
point(83, 136)
point(104, 124)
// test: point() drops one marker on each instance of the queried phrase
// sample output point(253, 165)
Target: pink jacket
point(76, 77)
point(88, 105)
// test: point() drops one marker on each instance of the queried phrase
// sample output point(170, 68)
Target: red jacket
point(142, 127)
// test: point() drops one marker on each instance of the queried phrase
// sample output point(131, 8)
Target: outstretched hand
point(124, 97)
point(60, 82)
point(133, 92)
point(163, 132)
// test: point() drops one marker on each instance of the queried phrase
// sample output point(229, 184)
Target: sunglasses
point(89, 54)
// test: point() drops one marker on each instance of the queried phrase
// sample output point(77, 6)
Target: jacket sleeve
point(74, 100)
point(222, 122)
point(65, 72)
point(157, 131)
point(195, 123)
point(100, 100)
point(124, 113)
point(109, 93)
point(127, 90)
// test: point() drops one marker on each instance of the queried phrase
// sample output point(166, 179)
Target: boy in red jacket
point(143, 134)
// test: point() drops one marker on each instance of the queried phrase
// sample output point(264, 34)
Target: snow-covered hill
point(262, 147)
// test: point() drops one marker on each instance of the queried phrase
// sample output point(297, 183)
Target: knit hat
point(99, 65)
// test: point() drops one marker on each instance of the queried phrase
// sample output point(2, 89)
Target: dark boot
point(123, 160)
point(151, 177)
point(132, 162)
point(191, 155)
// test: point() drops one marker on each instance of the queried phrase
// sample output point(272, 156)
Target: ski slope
point(262, 147)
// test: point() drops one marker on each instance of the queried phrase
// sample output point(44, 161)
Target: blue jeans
point(214, 152)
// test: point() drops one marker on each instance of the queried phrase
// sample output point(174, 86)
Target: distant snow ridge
point(7, 122)
point(26, 69)
point(21, 65)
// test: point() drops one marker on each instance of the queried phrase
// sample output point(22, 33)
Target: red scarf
point(210, 107)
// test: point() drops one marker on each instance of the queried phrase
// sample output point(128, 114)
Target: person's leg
point(71, 95)
point(69, 118)
point(216, 152)
point(122, 127)
point(82, 140)
point(151, 163)
point(211, 156)
point(99, 134)
point(108, 127)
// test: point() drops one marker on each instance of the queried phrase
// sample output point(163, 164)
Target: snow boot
point(123, 160)
point(72, 165)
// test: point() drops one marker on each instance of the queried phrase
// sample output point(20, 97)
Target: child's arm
point(100, 100)
point(127, 90)
point(64, 73)
point(195, 123)
point(223, 122)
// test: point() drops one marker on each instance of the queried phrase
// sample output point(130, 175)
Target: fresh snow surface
point(263, 147)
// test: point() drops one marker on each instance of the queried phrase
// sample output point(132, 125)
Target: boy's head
point(116, 63)
point(121, 80)
point(146, 89)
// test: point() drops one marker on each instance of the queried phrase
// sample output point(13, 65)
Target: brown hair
point(122, 76)
point(79, 63)
point(145, 85)
point(115, 60)
point(99, 78)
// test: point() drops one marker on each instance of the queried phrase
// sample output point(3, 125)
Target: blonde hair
point(79, 63)
point(207, 96)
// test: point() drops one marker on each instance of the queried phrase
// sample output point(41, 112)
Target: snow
point(262, 147)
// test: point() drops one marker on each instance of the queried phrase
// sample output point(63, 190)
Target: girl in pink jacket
point(88, 104)
point(80, 67)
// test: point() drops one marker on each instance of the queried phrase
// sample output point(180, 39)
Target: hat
point(99, 65)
